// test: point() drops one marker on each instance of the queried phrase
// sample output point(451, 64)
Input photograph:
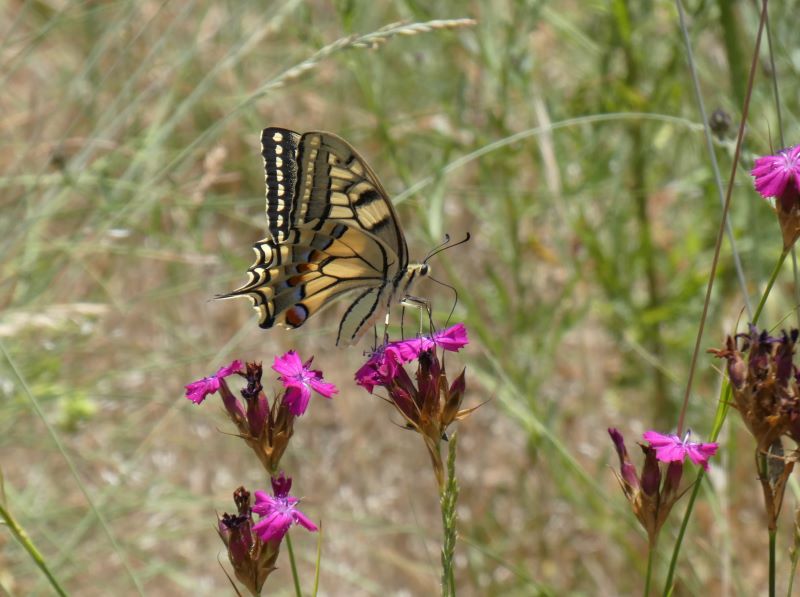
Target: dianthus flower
point(278, 511)
point(778, 176)
point(299, 379)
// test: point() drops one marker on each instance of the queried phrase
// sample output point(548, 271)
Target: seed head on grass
point(778, 176)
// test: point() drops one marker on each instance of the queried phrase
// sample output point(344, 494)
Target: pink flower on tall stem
point(299, 379)
point(278, 512)
point(779, 176)
point(774, 173)
point(197, 391)
point(671, 448)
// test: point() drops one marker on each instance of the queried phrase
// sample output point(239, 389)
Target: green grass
point(565, 137)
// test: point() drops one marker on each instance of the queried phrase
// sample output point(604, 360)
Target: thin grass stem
point(27, 544)
point(293, 564)
point(715, 262)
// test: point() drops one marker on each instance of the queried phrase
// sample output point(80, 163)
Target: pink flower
point(197, 391)
point(670, 448)
point(774, 172)
point(453, 339)
point(278, 512)
point(381, 367)
point(299, 380)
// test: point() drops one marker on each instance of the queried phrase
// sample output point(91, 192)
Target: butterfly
point(332, 230)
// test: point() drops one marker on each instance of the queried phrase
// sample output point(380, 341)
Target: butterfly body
point(332, 230)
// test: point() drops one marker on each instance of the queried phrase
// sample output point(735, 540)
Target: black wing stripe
point(279, 149)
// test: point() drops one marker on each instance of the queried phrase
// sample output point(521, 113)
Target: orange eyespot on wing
point(296, 315)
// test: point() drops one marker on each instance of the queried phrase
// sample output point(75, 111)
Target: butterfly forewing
point(279, 148)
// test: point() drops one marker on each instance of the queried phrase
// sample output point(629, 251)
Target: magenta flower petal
point(700, 453)
point(324, 388)
point(671, 448)
point(234, 367)
point(304, 521)
point(453, 339)
point(288, 365)
point(273, 526)
point(199, 390)
point(773, 173)
point(299, 379)
point(278, 512)
point(297, 398)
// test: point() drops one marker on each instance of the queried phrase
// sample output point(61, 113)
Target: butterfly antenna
point(446, 245)
point(455, 294)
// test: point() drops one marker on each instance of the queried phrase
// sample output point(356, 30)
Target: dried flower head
point(778, 176)
point(765, 383)
point(766, 389)
point(430, 405)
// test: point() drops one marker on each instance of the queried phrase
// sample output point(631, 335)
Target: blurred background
point(564, 136)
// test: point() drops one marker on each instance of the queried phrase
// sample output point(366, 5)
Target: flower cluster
point(778, 176)
point(266, 428)
point(430, 405)
point(253, 547)
point(765, 383)
point(653, 493)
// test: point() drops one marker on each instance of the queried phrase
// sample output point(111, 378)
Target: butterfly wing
point(332, 230)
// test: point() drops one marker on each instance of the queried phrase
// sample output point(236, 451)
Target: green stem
point(770, 283)
point(26, 542)
point(293, 564)
point(651, 550)
point(795, 554)
point(772, 535)
point(447, 502)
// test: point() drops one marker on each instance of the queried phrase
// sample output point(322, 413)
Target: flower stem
point(795, 553)
point(770, 283)
point(772, 534)
point(448, 502)
point(651, 550)
point(293, 564)
point(21, 536)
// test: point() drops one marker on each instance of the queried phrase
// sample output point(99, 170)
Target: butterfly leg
point(421, 304)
